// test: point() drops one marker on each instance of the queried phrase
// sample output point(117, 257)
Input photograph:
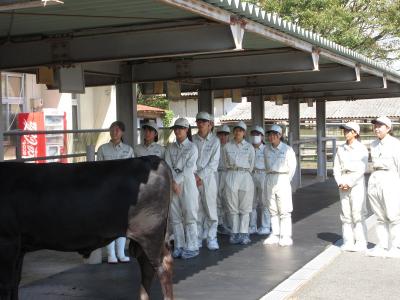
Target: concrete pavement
point(347, 275)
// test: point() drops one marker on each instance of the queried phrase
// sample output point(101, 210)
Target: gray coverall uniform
point(184, 207)
point(207, 164)
point(350, 165)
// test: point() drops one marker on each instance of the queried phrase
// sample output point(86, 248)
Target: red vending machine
point(33, 145)
point(43, 145)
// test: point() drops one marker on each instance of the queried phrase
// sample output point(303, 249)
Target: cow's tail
point(168, 231)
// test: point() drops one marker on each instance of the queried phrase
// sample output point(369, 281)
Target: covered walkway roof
point(217, 45)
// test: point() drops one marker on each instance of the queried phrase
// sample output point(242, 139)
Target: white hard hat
point(383, 120)
point(151, 124)
point(257, 128)
point(224, 128)
point(351, 126)
point(275, 128)
point(241, 125)
point(181, 122)
point(203, 116)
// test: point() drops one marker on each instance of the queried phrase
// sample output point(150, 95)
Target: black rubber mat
point(233, 272)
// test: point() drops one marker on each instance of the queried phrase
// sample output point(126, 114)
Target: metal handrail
point(20, 133)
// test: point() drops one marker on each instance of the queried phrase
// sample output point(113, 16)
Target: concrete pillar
point(321, 133)
point(294, 135)
point(205, 100)
point(257, 110)
point(126, 102)
point(2, 126)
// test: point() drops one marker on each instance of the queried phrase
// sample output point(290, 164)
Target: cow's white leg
point(164, 273)
point(147, 272)
point(143, 294)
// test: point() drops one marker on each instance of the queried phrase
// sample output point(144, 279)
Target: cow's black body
point(81, 207)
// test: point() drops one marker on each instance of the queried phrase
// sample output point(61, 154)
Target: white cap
point(203, 116)
point(224, 128)
point(275, 128)
point(151, 124)
point(351, 126)
point(241, 125)
point(257, 128)
point(383, 120)
point(181, 122)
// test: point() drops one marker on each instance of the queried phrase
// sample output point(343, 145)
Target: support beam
point(212, 12)
point(223, 65)
point(392, 90)
point(2, 125)
point(134, 42)
point(294, 136)
point(321, 133)
point(126, 94)
point(330, 74)
point(257, 110)
point(266, 88)
point(367, 83)
point(205, 100)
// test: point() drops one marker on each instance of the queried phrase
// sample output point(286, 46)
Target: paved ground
point(355, 276)
point(234, 272)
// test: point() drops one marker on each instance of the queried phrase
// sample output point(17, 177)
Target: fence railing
point(77, 142)
point(75, 146)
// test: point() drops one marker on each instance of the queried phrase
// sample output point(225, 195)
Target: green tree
point(370, 27)
point(160, 102)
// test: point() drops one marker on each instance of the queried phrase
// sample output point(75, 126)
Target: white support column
point(321, 133)
point(2, 126)
point(257, 110)
point(126, 102)
point(205, 100)
point(294, 136)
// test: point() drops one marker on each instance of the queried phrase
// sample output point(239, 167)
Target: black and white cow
point(84, 206)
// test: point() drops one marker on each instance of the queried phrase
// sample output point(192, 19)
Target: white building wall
point(189, 108)
point(97, 107)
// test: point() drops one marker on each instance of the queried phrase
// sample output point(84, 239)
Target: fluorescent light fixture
point(13, 5)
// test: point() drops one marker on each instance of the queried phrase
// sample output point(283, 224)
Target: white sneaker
point(112, 260)
point(124, 259)
point(377, 251)
point(263, 231)
point(348, 246)
point(212, 244)
point(394, 252)
point(285, 241)
point(271, 240)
